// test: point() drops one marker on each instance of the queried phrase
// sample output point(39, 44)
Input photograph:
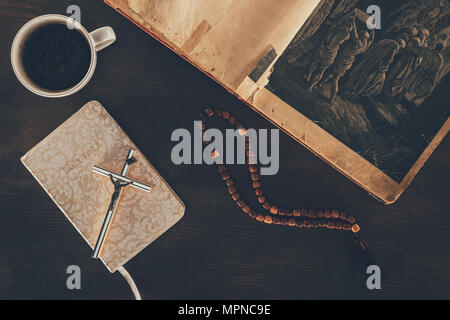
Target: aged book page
point(372, 103)
point(62, 163)
point(227, 38)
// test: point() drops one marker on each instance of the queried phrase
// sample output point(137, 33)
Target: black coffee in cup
point(56, 57)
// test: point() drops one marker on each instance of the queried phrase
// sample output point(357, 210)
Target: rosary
point(295, 218)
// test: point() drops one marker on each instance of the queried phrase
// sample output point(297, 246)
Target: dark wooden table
point(215, 251)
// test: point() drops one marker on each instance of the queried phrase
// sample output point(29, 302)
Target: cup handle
point(102, 37)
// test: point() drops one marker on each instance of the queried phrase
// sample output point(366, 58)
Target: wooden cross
point(119, 181)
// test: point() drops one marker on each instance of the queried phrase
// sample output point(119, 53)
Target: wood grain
point(215, 251)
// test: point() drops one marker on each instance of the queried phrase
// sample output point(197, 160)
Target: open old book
point(373, 103)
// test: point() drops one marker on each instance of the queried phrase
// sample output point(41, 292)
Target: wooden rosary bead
point(202, 117)
point(274, 210)
point(253, 168)
point(322, 223)
point(222, 168)
point(315, 224)
point(259, 192)
point(226, 176)
point(209, 112)
point(304, 213)
point(201, 126)
point(226, 114)
point(327, 214)
point(242, 131)
point(291, 222)
point(276, 220)
point(232, 190)
point(261, 199)
point(351, 220)
point(254, 176)
point(288, 212)
point(266, 205)
point(230, 182)
point(268, 219)
point(312, 214)
point(246, 209)
point(330, 224)
point(238, 124)
point(249, 154)
point(342, 215)
point(307, 223)
point(215, 154)
point(296, 213)
point(356, 228)
point(299, 223)
point(284, 221)
point(347, 227)
point(363, 244)
point(232, 120)
point(236, 196)
point(218, 112)
point(252, 213)
point(256, 184)
point(338, 225)
point(335, 214)
point(241, 203)
point(260, 217)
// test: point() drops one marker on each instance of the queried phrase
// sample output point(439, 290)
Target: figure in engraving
point(327, 52)
point(317, 20)
point(423, 13)
point(422, 83)
point(406, 63)
point(358, 44)
point(330, 14)
point(368, 77)
point(343, 8)
point(424, 35)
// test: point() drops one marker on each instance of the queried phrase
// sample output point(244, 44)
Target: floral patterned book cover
point(362, 84)
point(62, 163)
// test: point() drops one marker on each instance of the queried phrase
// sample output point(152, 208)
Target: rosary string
point(295, 218)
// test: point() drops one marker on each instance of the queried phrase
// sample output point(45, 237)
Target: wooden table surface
point(215, 251)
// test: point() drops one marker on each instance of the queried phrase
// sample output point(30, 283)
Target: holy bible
point(367, 95)
point(63, 164)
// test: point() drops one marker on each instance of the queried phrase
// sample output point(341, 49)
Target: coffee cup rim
point(17, 66)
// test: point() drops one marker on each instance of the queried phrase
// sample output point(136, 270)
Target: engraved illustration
point(383, 93)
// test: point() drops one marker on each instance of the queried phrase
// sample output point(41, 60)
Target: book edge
point(180, 202)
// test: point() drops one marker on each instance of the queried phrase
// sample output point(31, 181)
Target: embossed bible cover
point(62, 163)
point(285, 58)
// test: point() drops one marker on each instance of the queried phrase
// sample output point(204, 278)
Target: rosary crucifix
point(119, 181)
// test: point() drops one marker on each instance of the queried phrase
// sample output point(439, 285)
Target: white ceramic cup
point(98, 40)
